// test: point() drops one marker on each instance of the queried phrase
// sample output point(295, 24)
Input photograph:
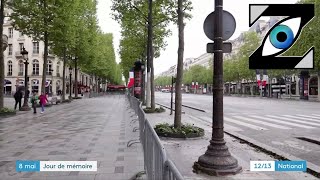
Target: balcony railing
point(20, 73)
point(49, 73)
point(9, 74)
point(58, 74)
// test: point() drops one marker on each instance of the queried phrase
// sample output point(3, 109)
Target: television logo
point(281, 36)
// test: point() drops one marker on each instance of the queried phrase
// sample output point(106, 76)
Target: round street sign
point(229, 25)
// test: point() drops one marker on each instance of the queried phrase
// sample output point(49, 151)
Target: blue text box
point(291, 166)
point(27, 166)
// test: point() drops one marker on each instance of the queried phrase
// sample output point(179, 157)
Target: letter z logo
point(281, 36)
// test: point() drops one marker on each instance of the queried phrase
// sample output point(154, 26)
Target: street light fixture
point(25, 106)
point(70, 75)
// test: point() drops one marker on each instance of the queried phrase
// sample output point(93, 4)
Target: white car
point(165, 90)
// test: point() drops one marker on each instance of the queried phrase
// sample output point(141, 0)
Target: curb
point(193, 108)
point(168, 107)
point(311, 169)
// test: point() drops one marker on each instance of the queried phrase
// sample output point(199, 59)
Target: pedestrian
point(18, 97)
point(34, 100)
point(43, 100)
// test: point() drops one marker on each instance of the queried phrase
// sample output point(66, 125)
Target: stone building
point(15, 67)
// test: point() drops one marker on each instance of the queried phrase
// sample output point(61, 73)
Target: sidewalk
point(95, 129)
point(185, 152)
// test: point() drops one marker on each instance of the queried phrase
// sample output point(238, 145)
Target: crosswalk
point(268, 122)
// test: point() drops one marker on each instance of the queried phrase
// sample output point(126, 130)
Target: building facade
point(15, 67)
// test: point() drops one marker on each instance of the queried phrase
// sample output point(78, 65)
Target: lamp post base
point(25, 108)
point(217, 161)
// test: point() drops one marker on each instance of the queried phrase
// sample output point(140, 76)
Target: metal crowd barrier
point(157, 165)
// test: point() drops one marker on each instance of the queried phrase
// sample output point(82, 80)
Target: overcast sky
point(195, 39)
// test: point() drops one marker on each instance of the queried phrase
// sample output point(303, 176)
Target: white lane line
point(226, 126)
point(244, 124)
point(261, 122)
point(316, 115)
point(306, 117)
point(291, 119)
point(283, 122)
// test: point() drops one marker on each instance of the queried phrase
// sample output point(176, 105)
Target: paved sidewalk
point(185, 152)
point(95, 129)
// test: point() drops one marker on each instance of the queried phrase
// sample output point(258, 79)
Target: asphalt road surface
point(275, 123)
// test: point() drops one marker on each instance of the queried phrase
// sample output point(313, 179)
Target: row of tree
point(236, 68)
point(71, 31)
point(144, 29)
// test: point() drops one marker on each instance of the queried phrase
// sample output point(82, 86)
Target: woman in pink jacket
point(43, 100)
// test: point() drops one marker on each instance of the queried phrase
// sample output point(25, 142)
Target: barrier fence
point(156, 163)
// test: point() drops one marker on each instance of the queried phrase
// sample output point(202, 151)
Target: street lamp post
point(70, 76)
point(217, 160)
point(51, 70)
point(142, 82)
point(25, 106)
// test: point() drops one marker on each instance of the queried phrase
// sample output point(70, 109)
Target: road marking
point(226, 126)
point(316, 114)
point(290, 119)
point(244, 124)
point(261, 122)
point(310, 118)
point(283, 122)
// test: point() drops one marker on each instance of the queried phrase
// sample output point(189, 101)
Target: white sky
point(195, 39)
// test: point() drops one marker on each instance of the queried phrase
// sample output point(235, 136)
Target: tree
point(132, 17)
point(34, 18)
point(308, 38)
point(2, 16)
point(178, 98)
point(250, 41)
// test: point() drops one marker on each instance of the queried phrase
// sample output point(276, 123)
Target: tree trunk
point(76, 77)
point(149, 49)
point(318, 86)
point(251, 89)
point(1, 55)
point(64, 76)
point(178, 98)
point(45, 62)
point(153, 101)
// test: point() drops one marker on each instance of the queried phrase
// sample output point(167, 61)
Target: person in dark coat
point(18, 97)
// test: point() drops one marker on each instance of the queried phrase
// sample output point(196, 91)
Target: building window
point(49, 68)
point(58, 70)
point(10, 49)
point(21, 68)
point(21, 45)
point(35, 67)
point(20, 34)
point(35, 47)
point(10, 32)
point(35, 85)
point(9, 68)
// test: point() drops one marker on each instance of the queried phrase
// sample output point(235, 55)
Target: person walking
point(43, 100)
point(34, 99)
point(18, 97)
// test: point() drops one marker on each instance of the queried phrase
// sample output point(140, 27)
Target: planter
point(4, 112)
point(157, 110)
point(66, 101)
point(77, 98)
point(186, 131)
